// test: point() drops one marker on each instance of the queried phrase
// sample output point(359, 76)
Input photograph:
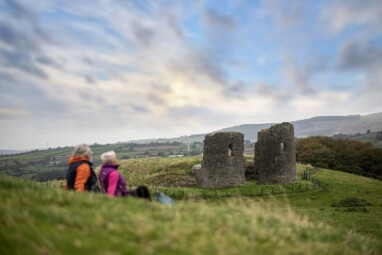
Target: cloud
point(343, 14)
point(301, 77)
point(286, 14)
point(144, 35)
point(154, 69)
point(22, 61)
point(365, 58)
point(22, 40)
point(199, 66)
point(235, 90)
point(213, 19)
point(358, 55)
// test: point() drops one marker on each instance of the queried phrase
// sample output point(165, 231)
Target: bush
point(351, 202)
point(344, 155)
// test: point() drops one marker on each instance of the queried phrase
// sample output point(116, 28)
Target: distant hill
point(321, 125)
point(10, 152)
point(375, 138)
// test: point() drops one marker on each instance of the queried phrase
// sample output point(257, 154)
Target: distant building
point(54, 163)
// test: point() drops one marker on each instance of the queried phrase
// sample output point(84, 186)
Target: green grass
point(35, 162)
point(38, 220)
point(315, 203)
point(368, 138)
point(145, 171)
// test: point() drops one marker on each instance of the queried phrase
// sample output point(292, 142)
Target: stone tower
point(223, 161)
point(275, 155)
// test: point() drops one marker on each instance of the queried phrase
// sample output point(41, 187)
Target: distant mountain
point(10, 152)
point(321, 125)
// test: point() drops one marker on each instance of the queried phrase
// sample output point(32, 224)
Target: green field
point(42, 165)
point(37, 219)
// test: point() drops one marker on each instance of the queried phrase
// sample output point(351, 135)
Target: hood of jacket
point(74, 159)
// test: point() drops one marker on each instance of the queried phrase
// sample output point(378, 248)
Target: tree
point(344, 155)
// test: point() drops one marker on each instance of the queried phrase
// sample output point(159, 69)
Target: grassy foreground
point(39, 220)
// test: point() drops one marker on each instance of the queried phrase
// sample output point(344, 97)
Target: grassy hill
point(373, 137)
point(40, 220)
point(51, 164)
point(316, 203)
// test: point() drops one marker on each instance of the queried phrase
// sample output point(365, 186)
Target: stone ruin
point(223, 161)
point(275, 155)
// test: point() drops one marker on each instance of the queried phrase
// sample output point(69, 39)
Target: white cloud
point(343, 14)
point(112, 71)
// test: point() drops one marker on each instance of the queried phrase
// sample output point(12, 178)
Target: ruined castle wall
point(275, 155)
point(223, 161)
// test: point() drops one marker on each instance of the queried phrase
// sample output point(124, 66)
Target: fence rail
point(179, 194)
point(211, 194)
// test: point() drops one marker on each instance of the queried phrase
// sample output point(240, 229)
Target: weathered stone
point(275, 155)
point(223, 161)
point(196, 168)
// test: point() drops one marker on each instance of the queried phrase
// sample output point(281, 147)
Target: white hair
point(83, 150)
point(108, 157)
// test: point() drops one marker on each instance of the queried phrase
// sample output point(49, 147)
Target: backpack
point(164, 199)
point(141, 192)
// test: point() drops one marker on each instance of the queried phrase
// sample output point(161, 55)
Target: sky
point(104, 71)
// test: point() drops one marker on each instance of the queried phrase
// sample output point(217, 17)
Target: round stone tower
point(275, 155)
point(223, 161)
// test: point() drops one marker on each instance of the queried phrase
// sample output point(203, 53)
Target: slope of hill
point(10, 152)
point(375, 138)
point(321, 125)
point(52, 221)
point(42, 165)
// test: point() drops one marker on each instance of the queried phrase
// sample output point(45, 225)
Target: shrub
point(344, 155)
point(351, 202)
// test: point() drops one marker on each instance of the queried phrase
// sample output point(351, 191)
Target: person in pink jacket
point(110, 179)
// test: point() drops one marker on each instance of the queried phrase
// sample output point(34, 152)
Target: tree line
point(343, 155)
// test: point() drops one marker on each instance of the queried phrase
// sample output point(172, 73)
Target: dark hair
point(142, 192)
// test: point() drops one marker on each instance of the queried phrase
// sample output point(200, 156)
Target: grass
point(39, 220)
point(315, 204)
point(147, 170)
point(351, 202)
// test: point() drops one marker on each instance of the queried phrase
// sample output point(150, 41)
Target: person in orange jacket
point(80, 175)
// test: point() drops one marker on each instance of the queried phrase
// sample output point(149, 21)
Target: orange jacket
point(82, 175)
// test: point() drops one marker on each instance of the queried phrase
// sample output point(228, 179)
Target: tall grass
point(38, 220)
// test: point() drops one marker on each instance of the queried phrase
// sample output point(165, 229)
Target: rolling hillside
point(54, 221)
point(322, 125)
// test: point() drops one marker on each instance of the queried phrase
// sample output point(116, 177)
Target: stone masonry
point(223, 161)
point(275, 155)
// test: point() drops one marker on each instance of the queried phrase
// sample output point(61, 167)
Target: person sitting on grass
point(112, 182)
point(80, 175)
